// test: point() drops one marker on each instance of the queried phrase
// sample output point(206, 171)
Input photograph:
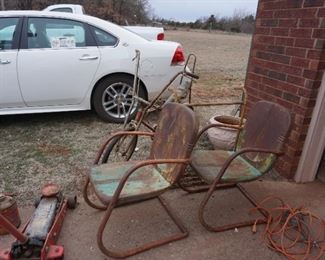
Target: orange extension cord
point(294, 232)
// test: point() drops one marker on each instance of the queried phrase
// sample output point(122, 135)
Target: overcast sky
point(190, 10)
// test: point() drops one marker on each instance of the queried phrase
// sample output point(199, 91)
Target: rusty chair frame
point(266, 151)
point(182, 118)
point(240, 109)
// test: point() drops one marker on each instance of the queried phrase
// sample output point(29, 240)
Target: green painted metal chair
point(120, 183)
point(260, 142)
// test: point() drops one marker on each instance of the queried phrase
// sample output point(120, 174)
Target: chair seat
point(208, 164)
point(143, 184)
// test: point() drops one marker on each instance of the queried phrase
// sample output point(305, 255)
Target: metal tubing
point(12, 230)
point(114, 202)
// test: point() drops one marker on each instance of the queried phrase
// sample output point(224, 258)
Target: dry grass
point(59, 147)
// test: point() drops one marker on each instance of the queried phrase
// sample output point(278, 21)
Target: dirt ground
point(59, 147)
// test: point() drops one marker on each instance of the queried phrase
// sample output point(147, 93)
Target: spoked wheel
point(120, 149)
point(112, 98)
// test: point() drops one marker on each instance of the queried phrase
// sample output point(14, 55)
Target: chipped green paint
point(144, 181)
point(209, 163)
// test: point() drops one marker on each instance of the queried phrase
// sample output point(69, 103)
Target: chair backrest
point(266, 127)
point(174, 138)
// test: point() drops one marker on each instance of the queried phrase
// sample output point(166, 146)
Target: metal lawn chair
point(120, 183)
point(259, 144)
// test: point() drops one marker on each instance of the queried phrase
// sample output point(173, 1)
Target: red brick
point(314, 54)
point(307, 102)
point(306, 43)
point(291, 70)
point(264, 14)
point(290, 97)
point(273, 57)
point(312, 23)
point(280, 31)
point(295, 13)
point(285, 103)
point(320, 44)
point(275, 49)
point(287, 87)
point(260, 71)
point(291, 4)
point(300, 111)
point(308, 93)
point(265, 39)
point(284, 41)
point(302, 33)
point(274, 92)
point(298, 62)
point(262, 30)
point(296, 80)
point(282, 68)
point(312, 84)
point(252, 76)
point(273, 5)
point(319, 33)
point(288, 22)
point(310, 3)
point(270, 82)
point(312, 74)
point(259, 46)
point(315, 65)
point(269, 22)
point(321, 12)
point(277, 75)
point(296, 52)
point(321, 66)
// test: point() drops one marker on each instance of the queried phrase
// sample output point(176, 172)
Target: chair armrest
point(205, 104)
point(236, 154)
point(139, 165)
point(121, 133)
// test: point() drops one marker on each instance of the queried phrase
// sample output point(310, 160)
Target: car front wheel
point(112, 98)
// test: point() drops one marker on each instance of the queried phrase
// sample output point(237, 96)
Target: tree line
point(125, 12)
point(118, 11)
point(240, 21)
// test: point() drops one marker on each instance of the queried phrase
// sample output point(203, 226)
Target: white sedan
point(51, 62)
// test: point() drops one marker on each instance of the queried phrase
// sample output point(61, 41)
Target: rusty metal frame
point(113, 204)
point(217, 181)
point(206, 187)
point(97, 159)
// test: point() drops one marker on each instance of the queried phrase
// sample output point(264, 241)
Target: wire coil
point(296, 233)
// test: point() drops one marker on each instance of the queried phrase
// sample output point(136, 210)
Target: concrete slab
point(134, 224)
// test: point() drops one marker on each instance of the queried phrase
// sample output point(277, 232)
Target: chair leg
point(234, 225)
point(86, 197)
point(147, 246)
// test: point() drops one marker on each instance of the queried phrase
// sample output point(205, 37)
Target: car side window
point(104, 38)
point(62, 9)
point(55, 33)
point(7, 32)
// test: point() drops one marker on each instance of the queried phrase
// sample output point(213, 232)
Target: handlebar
point(192, 75)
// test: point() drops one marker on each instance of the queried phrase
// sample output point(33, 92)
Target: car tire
point(113, 96)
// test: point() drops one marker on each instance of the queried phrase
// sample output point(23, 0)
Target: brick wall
point(286, 64)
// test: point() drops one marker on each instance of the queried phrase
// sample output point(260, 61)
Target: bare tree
point(3, 5)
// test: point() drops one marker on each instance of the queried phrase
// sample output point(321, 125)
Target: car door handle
point(5, 62)
point(88, 57)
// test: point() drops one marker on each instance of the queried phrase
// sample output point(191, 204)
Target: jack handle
point(12, 230)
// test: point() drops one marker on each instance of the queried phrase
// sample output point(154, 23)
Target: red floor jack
point(39, 236)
